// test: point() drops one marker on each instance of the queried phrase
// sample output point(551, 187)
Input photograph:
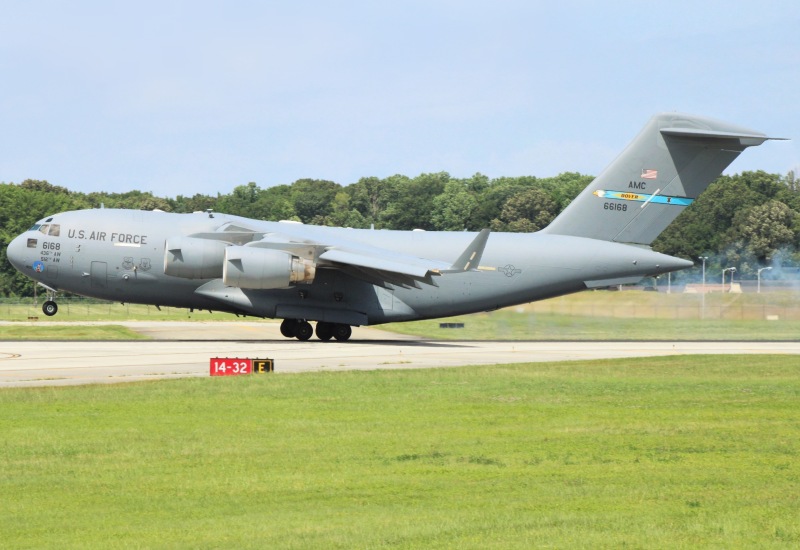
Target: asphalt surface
point(185, 349)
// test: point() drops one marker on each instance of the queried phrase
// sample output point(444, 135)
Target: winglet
point(471, 257)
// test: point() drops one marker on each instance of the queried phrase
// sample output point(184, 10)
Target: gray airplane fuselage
point(119, 255)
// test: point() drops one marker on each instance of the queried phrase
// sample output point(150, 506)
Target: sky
point(180, 98)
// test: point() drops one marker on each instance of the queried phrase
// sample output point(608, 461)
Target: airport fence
point(83, 309)
point(768, 306)
point(735, 312)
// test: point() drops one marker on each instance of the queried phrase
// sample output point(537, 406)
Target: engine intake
point(193, 258)
point(260, 268)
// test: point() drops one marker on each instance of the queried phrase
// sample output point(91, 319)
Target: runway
point(184, 350)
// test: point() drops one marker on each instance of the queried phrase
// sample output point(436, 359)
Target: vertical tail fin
point(672, 160)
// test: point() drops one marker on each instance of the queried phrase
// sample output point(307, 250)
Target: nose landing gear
point(50, 307)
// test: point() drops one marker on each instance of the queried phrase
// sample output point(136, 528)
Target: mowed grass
point(628, 315)
point(76, 310)
point(69, 332)
point(508, 324)
point(643, 453)
point(596, 315)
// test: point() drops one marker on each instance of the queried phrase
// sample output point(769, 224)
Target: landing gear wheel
point(342, 332)
point(50, 308)
point(303, 331)
point(288, 326)
point(324, 331)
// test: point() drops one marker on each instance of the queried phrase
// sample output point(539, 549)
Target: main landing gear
point(300, 329)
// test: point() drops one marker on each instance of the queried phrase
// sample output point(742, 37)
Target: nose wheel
point(50, 308)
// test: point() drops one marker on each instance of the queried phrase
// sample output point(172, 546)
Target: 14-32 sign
point(233, 366)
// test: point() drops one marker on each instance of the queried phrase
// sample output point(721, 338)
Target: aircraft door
point(99, 274)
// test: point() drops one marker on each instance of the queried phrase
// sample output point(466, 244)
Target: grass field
point(509, 324)
point(675, 452)
point(80, 310)
point(69, 332)
point(43, 327)
point(631, 315)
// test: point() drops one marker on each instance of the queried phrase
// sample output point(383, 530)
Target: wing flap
point(417, 268)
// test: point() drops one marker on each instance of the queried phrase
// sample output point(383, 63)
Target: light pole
point(759, 278)
point(703, 299)
point(732, 270)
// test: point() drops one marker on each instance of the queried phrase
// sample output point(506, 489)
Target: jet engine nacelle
point(260, 268)
point(193, 258)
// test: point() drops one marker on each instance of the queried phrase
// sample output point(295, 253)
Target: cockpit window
point(53, 229)
point(33, 243)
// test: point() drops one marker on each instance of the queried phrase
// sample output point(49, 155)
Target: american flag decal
point(649, 174)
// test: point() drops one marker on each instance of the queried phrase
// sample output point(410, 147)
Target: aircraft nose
point(17, 252)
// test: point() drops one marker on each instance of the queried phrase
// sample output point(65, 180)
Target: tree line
point(748, 220)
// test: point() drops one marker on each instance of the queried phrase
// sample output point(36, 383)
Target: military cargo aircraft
point(341, 277)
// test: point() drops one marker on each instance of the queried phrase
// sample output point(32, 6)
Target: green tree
point(135, 200)
point(411, 201)
point(792, 182)
point(342, 215)
point(275, 204)
point(527, 211)
point(370, 197)
point(492, 198)
point(453, 208)
point(765, 228)
point(313, 199)
point(242, 201)
point(477, 184)
point(765, 185)
point(702, 227)
point(42, 186)
point(195, 203)
point(564, 187)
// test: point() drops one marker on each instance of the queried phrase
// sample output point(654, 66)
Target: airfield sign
point(228, 366)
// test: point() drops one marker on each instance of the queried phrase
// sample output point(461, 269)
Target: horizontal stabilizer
point(746, 139)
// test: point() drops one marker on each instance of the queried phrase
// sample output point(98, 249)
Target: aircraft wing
point(411, 266)
point(373, 264)
point(329, 250)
